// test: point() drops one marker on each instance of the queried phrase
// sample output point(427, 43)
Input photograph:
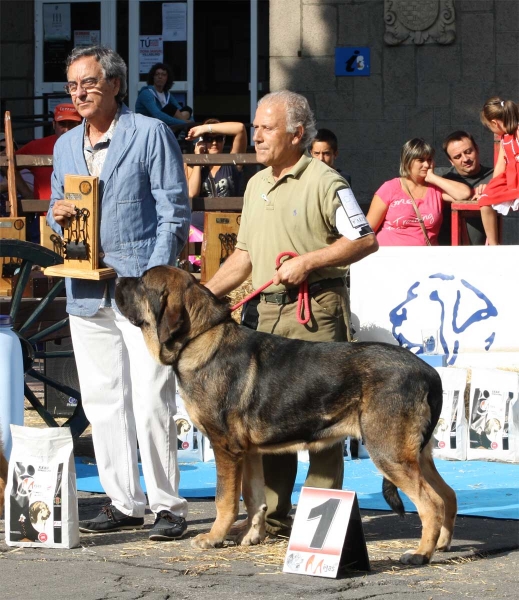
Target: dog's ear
point(170, 319)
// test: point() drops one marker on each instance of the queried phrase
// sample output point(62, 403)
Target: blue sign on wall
point(352, 61)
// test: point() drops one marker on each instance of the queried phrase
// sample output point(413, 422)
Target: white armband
point(349, 218)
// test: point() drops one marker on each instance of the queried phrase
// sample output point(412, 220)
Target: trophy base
point(75, 273)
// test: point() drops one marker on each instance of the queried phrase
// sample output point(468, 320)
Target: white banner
point(467, 293)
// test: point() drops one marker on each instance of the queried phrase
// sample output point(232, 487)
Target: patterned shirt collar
point(95, 156)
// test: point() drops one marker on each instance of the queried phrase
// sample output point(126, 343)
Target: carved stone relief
point(419, 22)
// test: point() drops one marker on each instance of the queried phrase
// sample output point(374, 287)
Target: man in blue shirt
point(145, 215)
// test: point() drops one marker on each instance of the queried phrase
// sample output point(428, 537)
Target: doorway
point(222, 58)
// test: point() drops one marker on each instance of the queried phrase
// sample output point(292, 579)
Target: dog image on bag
point(252, 393)
point(21, 528)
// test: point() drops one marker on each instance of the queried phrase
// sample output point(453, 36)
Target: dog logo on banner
point(457, 307)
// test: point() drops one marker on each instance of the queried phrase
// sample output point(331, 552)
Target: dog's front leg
point(228, 483)
point(252, 530)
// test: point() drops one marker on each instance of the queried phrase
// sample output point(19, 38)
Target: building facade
point(432, 63)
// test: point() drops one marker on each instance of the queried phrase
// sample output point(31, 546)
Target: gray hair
point(298, 113)
point(112, 64)
point(411, 150)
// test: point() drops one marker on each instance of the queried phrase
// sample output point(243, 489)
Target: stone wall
point(426, 91)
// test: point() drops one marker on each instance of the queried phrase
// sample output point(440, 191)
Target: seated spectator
point(502, 193)
point(325, 147)
point(463, 154)
point(215, 181)
point(407, 210)
point(154, 100)
point(66, 118)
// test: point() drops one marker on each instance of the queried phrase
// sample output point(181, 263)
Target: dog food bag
point(41, 498)
point(189, 439)
point(494, 416)
point(450, 434)
point(208, 450)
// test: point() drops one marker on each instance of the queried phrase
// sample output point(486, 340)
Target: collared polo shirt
point(295, 213)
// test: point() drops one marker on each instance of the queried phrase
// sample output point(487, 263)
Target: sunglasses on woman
point(209, 139)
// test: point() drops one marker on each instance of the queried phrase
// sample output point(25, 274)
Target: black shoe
point(168, 526)
point(110, 519)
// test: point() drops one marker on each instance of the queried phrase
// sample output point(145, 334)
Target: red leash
point(303, 301)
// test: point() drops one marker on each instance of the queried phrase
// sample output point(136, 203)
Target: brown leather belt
point(291, 295)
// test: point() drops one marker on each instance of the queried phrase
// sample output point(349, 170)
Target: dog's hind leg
point(405, 473)
point(447, 494)
point(253, 490)
point(228, 485)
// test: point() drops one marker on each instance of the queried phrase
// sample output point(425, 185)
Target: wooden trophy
point(220, 235)
point(79, 245)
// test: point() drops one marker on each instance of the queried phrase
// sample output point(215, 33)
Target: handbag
point(418, 215)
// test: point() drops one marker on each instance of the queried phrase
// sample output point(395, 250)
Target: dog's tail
point(392, 497)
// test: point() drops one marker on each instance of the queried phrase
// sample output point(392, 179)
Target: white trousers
point(127, 396)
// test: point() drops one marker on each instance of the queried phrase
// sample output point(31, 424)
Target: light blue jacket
point(144, 207)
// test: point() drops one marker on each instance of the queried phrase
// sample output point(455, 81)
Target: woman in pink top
point(391, 213)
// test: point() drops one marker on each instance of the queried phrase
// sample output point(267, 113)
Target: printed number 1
point(326, 512)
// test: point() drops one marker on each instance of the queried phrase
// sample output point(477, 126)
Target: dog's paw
point(239, 528)
point(412, 558)
point(204, 541)
point(443, 545)
point(250, 531)
point(252, 538)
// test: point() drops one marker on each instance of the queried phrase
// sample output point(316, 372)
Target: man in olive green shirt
point(301, 205)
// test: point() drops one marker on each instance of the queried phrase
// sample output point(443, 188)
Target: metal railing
point(32, 119)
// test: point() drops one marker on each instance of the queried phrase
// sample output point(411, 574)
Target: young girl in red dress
point(502, 193)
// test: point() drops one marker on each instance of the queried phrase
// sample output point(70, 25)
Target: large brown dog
point(252, 393)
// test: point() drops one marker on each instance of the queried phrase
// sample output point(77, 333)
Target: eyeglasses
point(209, 139)
point(86, 84)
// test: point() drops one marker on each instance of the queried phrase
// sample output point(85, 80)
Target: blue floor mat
point(484, 489)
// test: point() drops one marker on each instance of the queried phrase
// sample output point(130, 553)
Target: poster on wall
point(56, 22)
point(466, 294)
point(174, 21)
point(151, 51)
point(84, 39)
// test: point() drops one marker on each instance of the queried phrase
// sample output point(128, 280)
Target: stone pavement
point(483, 563)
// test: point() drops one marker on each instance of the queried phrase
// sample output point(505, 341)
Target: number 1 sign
point(326, 534)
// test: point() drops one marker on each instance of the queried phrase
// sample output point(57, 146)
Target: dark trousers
point(330, 323)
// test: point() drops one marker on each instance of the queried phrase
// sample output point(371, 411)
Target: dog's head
point(170, 307)
point(38, 512)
